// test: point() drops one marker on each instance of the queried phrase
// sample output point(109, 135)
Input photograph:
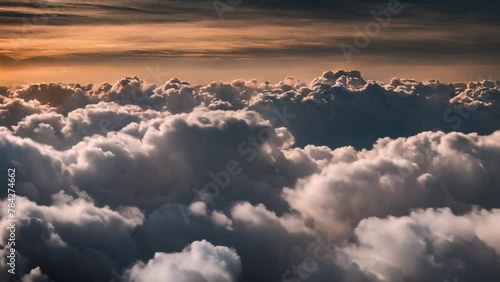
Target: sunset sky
point(249, 141)
point(96, 41)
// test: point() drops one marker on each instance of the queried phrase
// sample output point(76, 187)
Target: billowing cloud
point(115, 180)
point(431, 245)
point(71, 232)
point(431, 169)
point(35, 275)
point(200, 261)
point(344, 108)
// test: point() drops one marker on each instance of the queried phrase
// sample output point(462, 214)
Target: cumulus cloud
point(118, 178)
point(431, 169)
point(71, 232)
point(13, 110)
point(431, 245)
point(200, 261)
point(344, 108)
point(35, 275)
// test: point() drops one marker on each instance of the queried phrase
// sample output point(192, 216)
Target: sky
point(97, 41)
point(249, 141)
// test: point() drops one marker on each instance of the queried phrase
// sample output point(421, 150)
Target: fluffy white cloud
point(258, 216)
point(13, 110)
point(431, 245)
point(200, 261)
point(431, 169)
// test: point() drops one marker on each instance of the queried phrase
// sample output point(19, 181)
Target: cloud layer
point(343, 178)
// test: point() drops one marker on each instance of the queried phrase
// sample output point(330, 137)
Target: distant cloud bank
point(342, 178)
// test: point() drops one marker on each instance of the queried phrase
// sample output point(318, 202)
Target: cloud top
point(342, 178)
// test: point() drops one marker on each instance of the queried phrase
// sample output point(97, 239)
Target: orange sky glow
point(69, 43)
